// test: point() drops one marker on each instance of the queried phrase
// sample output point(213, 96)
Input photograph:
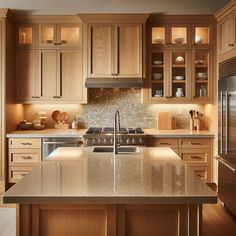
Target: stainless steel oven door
point(50, 144)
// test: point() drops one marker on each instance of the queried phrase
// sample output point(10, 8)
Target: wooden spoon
point(56, 115)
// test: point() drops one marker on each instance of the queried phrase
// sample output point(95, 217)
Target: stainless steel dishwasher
point(50, 144)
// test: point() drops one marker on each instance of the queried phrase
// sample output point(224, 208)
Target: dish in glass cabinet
point(199, 62)
point(179, 60)
point(179, 40)
point(158, 41)
point(157, 76)
point(201, 76)
point(178, 77)
point(157, 62)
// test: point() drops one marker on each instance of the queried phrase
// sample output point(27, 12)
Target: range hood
point(114, 83)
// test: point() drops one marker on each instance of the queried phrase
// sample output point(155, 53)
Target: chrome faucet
point(116, 129)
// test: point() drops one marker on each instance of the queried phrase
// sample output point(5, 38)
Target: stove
point(97, 136)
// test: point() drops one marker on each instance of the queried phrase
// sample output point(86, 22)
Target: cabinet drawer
point(25, 143)
point(195, 143)
point(203, 172)
point(24, 157)
point(164, 142)
point(195, 156)
point(17, 173)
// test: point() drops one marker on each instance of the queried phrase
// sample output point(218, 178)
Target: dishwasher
point(50, 144)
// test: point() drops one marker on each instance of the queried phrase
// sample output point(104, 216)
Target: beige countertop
point(46, 133)
point(78, 175)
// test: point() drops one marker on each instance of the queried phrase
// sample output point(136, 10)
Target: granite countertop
point(77, 175)
point(177, 133)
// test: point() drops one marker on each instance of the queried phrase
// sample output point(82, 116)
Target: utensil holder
point(197, 124)
point(191, 124)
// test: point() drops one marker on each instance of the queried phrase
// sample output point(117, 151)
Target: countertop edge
point(111, 200)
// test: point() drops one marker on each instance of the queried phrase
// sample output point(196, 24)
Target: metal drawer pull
point(196, 157)
point(26, 157)
point(195, 143)
point(165, 143)
point(73, 142)
point(26, 143)
point(225, 163)
point(23, 174)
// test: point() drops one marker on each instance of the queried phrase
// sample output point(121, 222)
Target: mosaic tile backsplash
point(102, 104)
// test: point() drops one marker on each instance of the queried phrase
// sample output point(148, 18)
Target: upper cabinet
point(62, 35)
point(49, 35)
point(115, 45)
point(181, 59)
point(226, 32)
point(115, 50)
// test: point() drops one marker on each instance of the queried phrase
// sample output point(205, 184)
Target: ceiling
point(64, 7)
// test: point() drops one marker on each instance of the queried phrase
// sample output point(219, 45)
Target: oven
point(50, 144)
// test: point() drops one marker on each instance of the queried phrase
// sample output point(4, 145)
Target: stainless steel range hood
point(114, 83)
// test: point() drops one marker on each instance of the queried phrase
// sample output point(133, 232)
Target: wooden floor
point(217, 221)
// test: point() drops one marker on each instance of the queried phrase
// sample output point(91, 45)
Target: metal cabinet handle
point(196, 157)
point(227, 121)
point(23, 174)
point(26, 157)
point(165, 143)
point(33, 96)
point(231, 44)
point(54, 96)
point(26, 143)
point(195, 143)
point(225, 163)
point(221, 121)
point(58, 96)
point(169, 96)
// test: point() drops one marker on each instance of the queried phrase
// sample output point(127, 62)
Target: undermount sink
point(120, 149)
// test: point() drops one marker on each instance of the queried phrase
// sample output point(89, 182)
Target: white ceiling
point(54, 7)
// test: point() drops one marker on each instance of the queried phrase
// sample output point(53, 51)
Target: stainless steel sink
point(120, 149)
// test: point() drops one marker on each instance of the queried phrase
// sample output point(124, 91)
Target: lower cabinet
point(23, 155)
point(196, 152)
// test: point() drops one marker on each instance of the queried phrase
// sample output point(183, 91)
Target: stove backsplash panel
point(102, 104)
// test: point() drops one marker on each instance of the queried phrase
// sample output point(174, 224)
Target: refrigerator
point(227, 142)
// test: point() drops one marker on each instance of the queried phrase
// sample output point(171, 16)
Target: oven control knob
point(99, 141)
point(140, 141)
point(121, 141)
point(111, 141)
point(94, 141)
point(128, 141)
point(104, 141)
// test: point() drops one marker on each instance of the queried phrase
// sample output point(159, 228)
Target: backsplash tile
point(102, 104)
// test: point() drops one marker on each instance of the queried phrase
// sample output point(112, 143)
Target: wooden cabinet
point(60, 35)
point(23, 155)
point(181, 62)
point(61, 75)
point(115, 50)
point(27, 75)
point(226, 32)
point(196, 152)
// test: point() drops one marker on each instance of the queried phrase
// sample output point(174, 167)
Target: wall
point(102, 104)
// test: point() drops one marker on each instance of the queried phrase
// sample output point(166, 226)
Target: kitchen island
point(79, 192)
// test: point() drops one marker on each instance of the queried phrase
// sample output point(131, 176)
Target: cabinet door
point(48, 75)
point(26, 74)
point(27, 35)
point(70, 75)
point(47, 35)
point(226, 34)
point(128, 61)
point(100, 62)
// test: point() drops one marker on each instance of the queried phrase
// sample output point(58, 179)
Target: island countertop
point(78, 175)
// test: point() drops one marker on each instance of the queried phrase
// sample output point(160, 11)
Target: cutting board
point(165, 121)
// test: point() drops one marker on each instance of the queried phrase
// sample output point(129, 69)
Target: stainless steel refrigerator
point(227, 142)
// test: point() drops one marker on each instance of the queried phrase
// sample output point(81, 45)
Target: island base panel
point(108, 220)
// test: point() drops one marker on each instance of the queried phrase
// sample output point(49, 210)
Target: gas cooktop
point(110, 130)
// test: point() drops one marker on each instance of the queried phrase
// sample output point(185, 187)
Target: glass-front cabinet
point(203, 74)
point(60, 35)
point(202, 36)
point(26, 35)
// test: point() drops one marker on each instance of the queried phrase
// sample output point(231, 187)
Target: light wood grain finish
point(110, 220)
point(48, 75)
point(71, 75)
point(196, 156)
point(129, 50)
point(195, 143)
point(28, 157)
point(16, 173)
point(26, 74)
point(100, 42)
point(204, 172)
point(226, 32)
point(164, 142)
point(25, 143)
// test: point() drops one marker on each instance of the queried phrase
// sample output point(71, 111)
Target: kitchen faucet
point(116, 129)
